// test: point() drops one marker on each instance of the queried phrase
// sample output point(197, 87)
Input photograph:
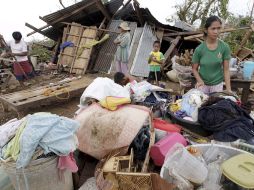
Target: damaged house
point(86, 22)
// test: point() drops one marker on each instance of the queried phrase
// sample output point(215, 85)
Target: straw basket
point(40, 174)
point(130, 180)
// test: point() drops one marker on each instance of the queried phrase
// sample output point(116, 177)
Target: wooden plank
point(152, 141)
point(76, 48)
point(222, 31)
point(139, 14)
point(182, 33)
point(170, 50)
point(64, 17)
point(36, 29)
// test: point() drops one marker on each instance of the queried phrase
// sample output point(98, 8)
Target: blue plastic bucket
point(248, 69)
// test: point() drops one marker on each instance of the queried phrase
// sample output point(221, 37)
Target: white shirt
point(20, 47)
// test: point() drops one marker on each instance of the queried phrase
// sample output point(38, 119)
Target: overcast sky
point(14, 13)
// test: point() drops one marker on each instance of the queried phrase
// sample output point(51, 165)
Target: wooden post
point(170, 50)
point(103, 9)
point(139, 14)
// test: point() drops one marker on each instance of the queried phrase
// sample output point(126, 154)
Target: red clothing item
point(68, 162)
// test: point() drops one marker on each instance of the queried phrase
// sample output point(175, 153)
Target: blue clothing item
point(181, 114)
point(52, 132)
point(66, 44)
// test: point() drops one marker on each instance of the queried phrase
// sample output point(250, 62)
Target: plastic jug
point(248, 69)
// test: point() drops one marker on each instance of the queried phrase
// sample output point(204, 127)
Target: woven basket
point(40, 174)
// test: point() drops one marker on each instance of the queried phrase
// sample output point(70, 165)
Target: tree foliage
point(234, 39)
point(43, 51)
point(196, 11)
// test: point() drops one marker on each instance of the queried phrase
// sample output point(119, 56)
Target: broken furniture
point(245, 85)
point(22, 101)
point(77, 36)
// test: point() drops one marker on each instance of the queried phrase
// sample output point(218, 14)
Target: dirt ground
point(67, 108)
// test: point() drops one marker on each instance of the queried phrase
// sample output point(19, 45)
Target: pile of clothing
point(38, 136)
point(226, 119)
point(187, 107)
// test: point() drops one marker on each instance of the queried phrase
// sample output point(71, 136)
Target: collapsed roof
point(92, 12)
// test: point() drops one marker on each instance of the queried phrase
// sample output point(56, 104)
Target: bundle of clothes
point(39, 136)
point(112, 95)
point(220, 113)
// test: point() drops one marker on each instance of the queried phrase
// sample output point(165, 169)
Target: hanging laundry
point(92, 43)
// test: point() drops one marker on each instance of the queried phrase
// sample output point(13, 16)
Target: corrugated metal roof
point(129, 14)
point(140, 66)
point(106, 55)
point(134, 45)
point(88, 17)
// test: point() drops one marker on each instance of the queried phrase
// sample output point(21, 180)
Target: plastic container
point(203, 148)
point(40, 174)
point(248, 69)
point(161, 148)
point(185, 165)
point(240, 170)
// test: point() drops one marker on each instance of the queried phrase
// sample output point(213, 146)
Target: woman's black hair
point(17, 36)
point(209, 22)
point(118, 78)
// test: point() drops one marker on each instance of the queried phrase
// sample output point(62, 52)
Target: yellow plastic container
point(240, 170)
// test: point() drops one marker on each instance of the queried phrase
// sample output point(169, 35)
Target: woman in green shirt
point(210, 61)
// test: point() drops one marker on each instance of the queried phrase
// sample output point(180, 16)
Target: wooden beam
point(63, 17)
point(222, 31)
point(170, 50)
point(182, 33)
point(245, 39)
point(36, 29)
point(89, 27)
point(102, 23)
point(139, 14)
point(103, 9)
